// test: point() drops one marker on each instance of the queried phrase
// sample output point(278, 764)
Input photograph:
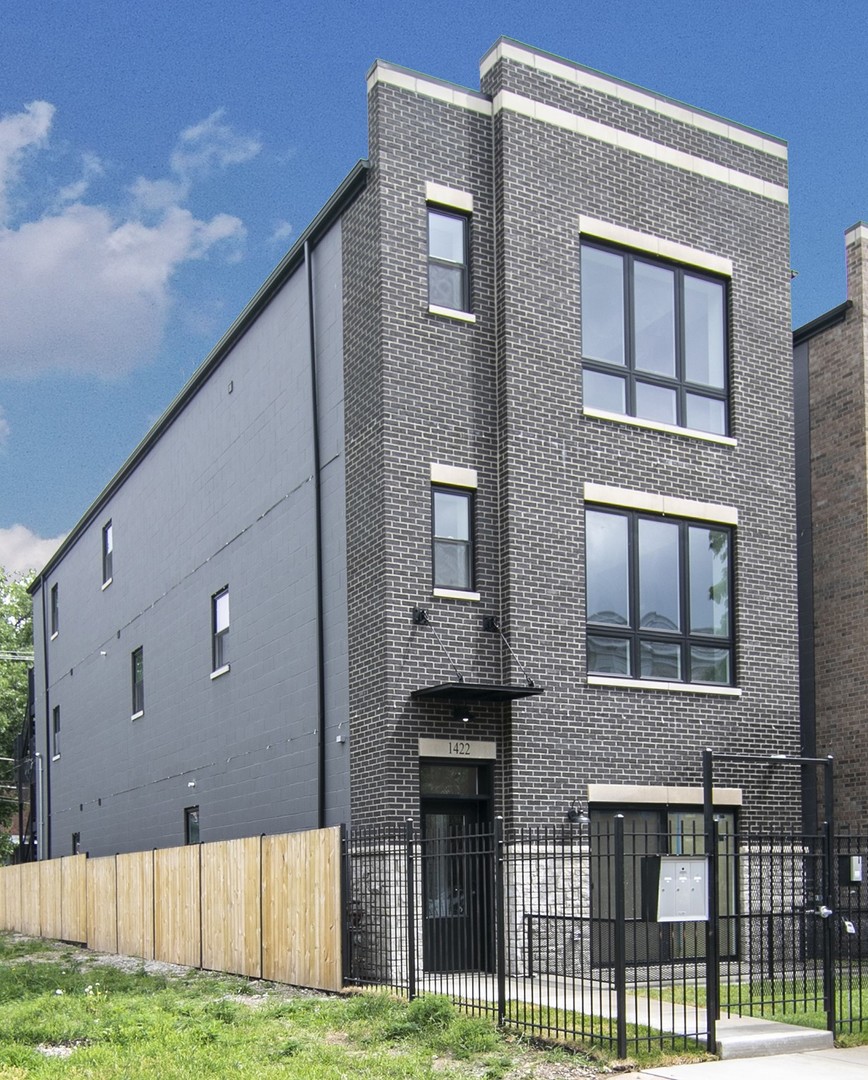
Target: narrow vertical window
point(138, 681)
point(448, 276)
point(220, 630)
point(453, 539)
point(76, 843)
point(191, 825)
point(55, 611)
point(55, 732)
point(107, 549)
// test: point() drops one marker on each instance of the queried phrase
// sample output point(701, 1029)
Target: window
point(653, 340)
point(107, 549)
point(220, 630)
point(55, 611)
point(658, 598)
point(448, 275)
point(453, 543)
point(138, 681)
point(55, 732)
point(76, 843)
point(191, 825)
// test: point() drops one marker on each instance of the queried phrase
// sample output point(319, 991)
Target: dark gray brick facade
point(225, 495)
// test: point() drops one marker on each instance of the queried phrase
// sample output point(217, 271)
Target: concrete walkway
point(831, 1064)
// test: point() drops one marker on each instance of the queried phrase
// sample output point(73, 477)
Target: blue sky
point(157, 160)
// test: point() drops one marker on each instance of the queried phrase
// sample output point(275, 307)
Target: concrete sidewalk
point(832, 1064)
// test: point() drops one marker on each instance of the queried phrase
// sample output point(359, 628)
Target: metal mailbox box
point(675, 888)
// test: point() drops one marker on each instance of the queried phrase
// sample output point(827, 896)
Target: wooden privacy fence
point(267, 907)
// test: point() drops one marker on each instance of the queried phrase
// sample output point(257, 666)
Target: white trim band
point(456, 594)
point(447, 196)
point(651, 793)
point(634, 95)
point(419, 84)
point(452, 313)
point(674, 687)
point(508, 101)
point(660, 504)
point(655, 425)
point(453, 476)
point(654, 245)
point(858, 232)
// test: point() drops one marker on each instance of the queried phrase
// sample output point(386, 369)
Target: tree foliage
point(16, 636)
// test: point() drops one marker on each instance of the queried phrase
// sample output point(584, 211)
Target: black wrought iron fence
point(562, 932)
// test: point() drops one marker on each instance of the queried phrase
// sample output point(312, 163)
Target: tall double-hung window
point(654, 340)
point(659, 598)
point(448, 265)
point(220, 631)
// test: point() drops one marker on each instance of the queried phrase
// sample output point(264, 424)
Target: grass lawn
point(68, 1013)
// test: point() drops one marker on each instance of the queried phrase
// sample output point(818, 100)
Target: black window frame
point(679, 382)
point(463, 267)
point(55, 610)
point(191, 820)
point(138, 680)
point(684, 638)
point(469, 545)
point(55, 732)
point(108, 547)
point(219, 659)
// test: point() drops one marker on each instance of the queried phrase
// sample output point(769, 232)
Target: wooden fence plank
point(177, 906)
point(136, 904)
point(102, 904)
point(50, 898)
point(4, 880)
point(301, 905)
point(73, 908)
point(231, 911)
point(13, 897)
point(28, 914)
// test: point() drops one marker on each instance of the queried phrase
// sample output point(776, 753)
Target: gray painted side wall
point(225, 497)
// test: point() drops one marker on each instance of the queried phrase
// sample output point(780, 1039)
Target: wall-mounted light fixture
point(463, 715)
point(577, 814)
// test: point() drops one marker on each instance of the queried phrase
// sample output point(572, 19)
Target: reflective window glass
point(654, 318)
point(703, 331)
point(659, 584)
point(607, 571)
point(602, 305)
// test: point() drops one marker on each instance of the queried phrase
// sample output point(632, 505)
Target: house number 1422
point(459, 749)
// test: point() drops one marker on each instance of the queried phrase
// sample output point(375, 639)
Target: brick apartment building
point(831, 362)
point(484, 505)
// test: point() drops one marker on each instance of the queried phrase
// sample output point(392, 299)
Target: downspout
point(317, 487)
point(37, 757)
point(43, 840)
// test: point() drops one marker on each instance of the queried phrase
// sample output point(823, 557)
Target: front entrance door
point(457, 851)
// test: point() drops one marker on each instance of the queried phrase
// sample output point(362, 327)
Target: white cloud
point(211, 145)
point(22, 550)
point(91, 167)
point(281, 233)
point(87, 288)
point(86, 295)
point(20, 132)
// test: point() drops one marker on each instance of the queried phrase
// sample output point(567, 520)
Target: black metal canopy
point(478, 692)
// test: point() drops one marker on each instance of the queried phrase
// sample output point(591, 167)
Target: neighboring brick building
point(831, 360)
point(278, 614)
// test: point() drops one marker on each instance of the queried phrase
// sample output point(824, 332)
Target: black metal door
point(457, 895)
